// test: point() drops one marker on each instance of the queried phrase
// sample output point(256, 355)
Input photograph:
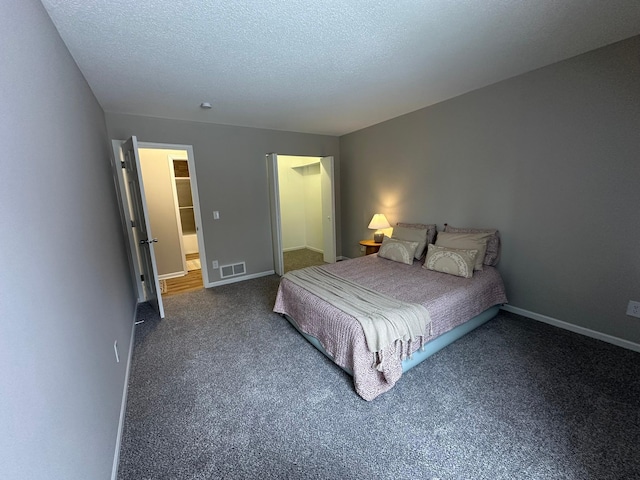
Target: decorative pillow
point(397, 250)
point(415, 232)
point(469, 241)
point(455, 261)
point(492, 255)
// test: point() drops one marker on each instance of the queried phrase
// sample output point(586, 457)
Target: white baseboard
point(342, 257)
point(123, 405)
point(291, 249)
point(303, 247)
point(239, 279)
point(620, 342)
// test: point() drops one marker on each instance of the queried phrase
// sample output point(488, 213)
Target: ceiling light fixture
point(205, 105)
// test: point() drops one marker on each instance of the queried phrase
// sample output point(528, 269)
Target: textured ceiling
point(327, 66)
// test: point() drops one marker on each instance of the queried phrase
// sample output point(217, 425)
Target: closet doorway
point(302, 211)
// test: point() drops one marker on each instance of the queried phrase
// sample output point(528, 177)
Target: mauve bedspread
point(450, 301)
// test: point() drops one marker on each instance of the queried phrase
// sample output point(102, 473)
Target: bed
point(455, 306)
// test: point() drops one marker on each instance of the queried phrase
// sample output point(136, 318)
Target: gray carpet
point(223, 388)
point(296, 259)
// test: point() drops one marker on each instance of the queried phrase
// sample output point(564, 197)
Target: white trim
point(274, 212)
point(240, 279)
point(292, 249)
point(303, 247)
point(328, 208)
point(620, 342)
point(123, 405)
point(167, 276)
point(202, 254)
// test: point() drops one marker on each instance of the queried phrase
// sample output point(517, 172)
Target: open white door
point(127, 222)
point(140, 223)
point(274, 204)
point(328, 209)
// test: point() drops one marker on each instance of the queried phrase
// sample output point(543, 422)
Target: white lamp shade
point(378, 222)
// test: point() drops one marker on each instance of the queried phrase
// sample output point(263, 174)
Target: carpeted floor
point(296, 259)
point(223, 388)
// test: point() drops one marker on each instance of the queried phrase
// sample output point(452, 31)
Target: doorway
point(303, 211)
point(167, 181)
point(179, 232)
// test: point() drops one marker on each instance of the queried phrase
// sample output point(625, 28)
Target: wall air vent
point(233, 270)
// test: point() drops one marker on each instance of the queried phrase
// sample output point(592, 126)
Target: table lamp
point(378, 222)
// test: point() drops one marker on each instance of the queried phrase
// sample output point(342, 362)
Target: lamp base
point(378, 237)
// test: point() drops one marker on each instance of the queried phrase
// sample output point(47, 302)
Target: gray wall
point(65, 292)
point(551, 158)
point(231, 174)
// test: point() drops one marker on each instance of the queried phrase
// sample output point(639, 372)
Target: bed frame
point(430, 347)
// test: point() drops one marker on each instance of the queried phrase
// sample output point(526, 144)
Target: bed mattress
point(450, 301)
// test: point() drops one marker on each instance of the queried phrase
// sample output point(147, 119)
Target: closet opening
point(303, 210)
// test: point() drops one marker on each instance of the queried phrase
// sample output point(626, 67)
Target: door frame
point(132, 253)
point(328, 208)
point(328, 199)
point(274, 207)
point(151, 197)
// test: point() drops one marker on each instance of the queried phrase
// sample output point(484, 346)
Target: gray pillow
point(414, 233)
point(470, 241)
point(454, 261)
point(432, 229)
point(397, 250)
point(492, 255)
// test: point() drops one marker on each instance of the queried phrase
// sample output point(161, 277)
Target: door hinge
point(133, 223)
point(122, 164)
point(142, 278)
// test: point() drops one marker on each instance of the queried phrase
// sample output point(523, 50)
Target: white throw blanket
point(384, 320)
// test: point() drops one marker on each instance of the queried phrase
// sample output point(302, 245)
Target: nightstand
point(370, 246)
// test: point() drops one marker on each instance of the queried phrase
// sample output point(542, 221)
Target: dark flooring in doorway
point(297, 259)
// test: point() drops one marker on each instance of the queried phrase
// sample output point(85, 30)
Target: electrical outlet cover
point(633, 309)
